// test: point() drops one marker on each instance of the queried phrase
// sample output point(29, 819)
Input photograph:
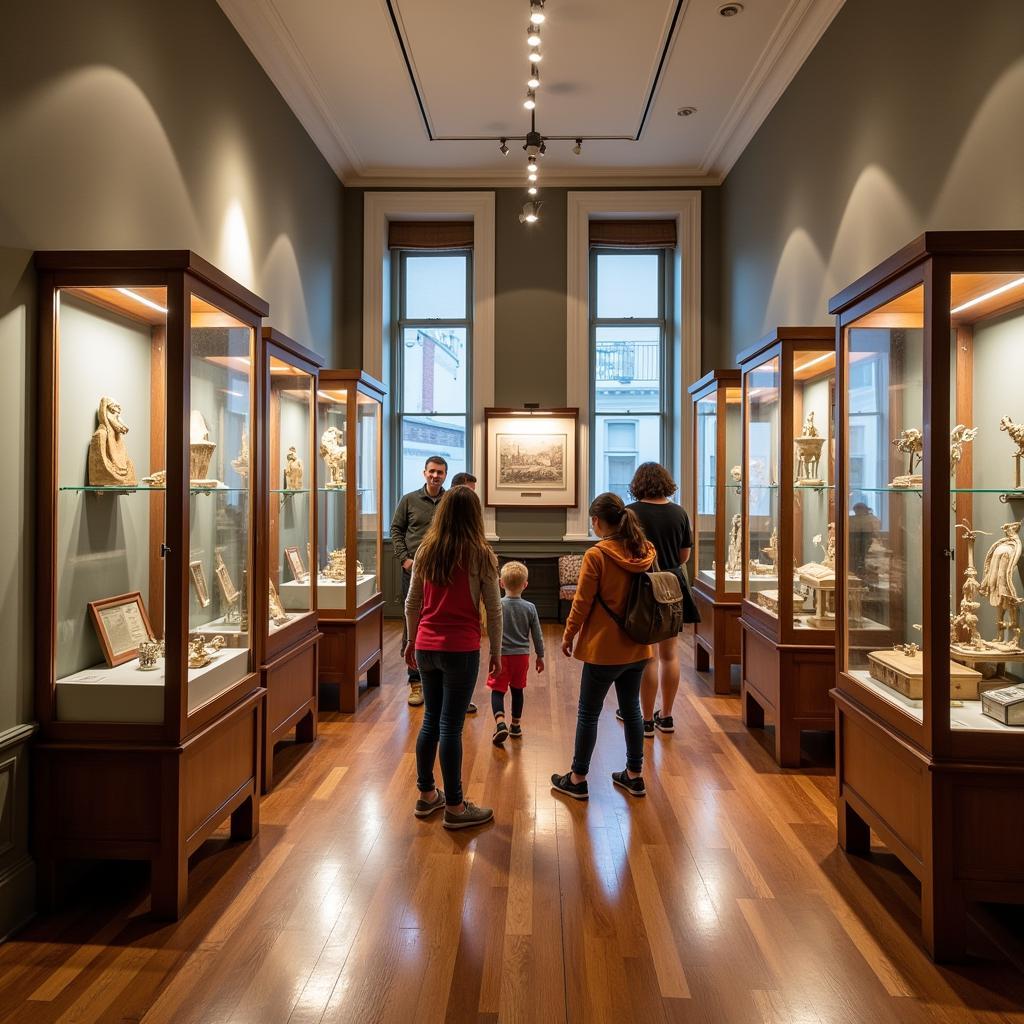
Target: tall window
point(431, 366)
point(629, 354)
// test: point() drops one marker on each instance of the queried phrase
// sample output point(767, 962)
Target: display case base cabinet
point(717, 640)
point(350, 649)
point(291, 703)
point(158, 803)
point(787, 687)
point(956, 826)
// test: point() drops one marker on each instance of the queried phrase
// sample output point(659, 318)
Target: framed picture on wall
point(121, 624)
point(531, 458)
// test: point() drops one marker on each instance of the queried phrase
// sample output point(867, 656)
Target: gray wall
point(906, 117)
point(135, 124)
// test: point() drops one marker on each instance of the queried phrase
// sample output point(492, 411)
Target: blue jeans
point(448, 681)
point(597, 680)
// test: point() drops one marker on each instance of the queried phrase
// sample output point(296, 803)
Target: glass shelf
point(132, 490)
point(290, 490)
point(1016, 493)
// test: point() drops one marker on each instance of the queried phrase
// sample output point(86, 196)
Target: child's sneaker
point(635, 787)
point(663, 723)
point(648, 725)
point(425, 808)
point(472, 815)
point(500, 734)
point(516, 731)
point(564, 784)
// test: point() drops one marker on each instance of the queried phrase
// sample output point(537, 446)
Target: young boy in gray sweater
point(519, 622)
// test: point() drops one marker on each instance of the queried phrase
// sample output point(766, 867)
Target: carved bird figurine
point(1016, 432)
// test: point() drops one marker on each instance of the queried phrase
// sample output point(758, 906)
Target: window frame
point(666, 363)
point(400, 323)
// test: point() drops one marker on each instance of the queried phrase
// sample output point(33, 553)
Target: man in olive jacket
point(414, 514)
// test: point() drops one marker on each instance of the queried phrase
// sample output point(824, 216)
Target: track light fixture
point(531, 99)
point(503, 148)
point(578, 148)
point(533, 35)
point(532, 176)
point(533, 82)
point(531, 166)
point(534, 56)
point(530, 213)
point(543, 147)
point(536, 12)
point(532, 190)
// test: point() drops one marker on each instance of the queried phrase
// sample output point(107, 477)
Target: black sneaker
point(635, 787)
point(648, 725)
point(663, 723)
point(516, 731)
point(425, 808)
point(500, 734)
point(472, 709)
point(564, 784)
point(472, 815)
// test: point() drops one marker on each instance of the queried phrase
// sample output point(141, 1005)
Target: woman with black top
point(667, 527)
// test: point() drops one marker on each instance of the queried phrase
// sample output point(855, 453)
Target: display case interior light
point(332, 396)
point(136, 297)
point(994, 293)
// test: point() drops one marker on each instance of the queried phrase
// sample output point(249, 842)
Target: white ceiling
point(340, 66)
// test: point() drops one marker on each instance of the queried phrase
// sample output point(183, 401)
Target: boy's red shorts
point(514, 670)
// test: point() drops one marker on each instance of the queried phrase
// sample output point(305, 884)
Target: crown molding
point(796, 35)
point(658, 177)
point(268, 38)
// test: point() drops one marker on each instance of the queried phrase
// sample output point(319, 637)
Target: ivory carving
point(109, 463)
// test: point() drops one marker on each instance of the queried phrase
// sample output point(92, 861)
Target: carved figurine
point(808, 453)
point(734, 558)
point(337, 566)
point(772, 550)
point(202, 648)
point(998, 586)
point(277, 613)
point(157, 479)
point(966, 621)
point(911, 443)
point(1016, 432)
point(737, 474)
point(335, 456)
point(109, 464)
point(149, 652)
point(241, 464)
point(958, 437)
point(292, 470)
point(200, 452)
point(829, 547)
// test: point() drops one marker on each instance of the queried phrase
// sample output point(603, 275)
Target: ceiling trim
point(661, 177)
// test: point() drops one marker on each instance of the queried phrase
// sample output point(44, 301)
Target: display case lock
point(164, 550)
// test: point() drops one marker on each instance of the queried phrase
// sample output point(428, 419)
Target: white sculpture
point(109, 464)
point(998, 586)
point(966, 620)
point(335, 456)
point(241, 464)
point(958, 437)
point(734, 557)
point(829, 547)
point(292, 470)
point(1016, 432)
point(736, 473)
point(200, 452)
point(808, 453)
point(911, 443)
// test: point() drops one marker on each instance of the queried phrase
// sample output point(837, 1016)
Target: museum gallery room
point(411, 411)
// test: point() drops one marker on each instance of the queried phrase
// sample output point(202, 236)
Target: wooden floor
point(721, 897)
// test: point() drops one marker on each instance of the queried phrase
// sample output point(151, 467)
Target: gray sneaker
point(425, 808)
point(472, 815)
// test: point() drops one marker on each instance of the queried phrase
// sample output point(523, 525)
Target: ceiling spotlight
point(533, 82)
point(578, 148)
point(543, 148)
point(535, 57)
point(503, 148)
point(730, 10)
point(686, 111)
point(536, 12)
point(533, 35)
point(530, 213)
point(532, 176)
point(532, 166)
point(532, 190)
point(531, 100)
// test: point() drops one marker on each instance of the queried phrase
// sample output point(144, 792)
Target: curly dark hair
point(652, 480)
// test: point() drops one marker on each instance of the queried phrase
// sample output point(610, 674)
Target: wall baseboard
point(17, 870)
point(17, 897)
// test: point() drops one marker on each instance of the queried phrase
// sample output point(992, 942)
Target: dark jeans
point(448, 681)
point(597, 680)
point(414, 676)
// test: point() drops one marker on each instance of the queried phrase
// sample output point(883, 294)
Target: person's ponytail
point(609, 508)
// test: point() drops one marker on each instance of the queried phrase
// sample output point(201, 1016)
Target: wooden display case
point(717, 466)
point(350, 517)
point(787, 617)
point(146, 398)
point(932, 340)
point(289, 463)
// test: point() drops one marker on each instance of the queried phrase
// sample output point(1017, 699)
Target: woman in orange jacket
point(608, 654)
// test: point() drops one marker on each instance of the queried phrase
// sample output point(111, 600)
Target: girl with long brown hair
point(453, 571)
point(610, 657)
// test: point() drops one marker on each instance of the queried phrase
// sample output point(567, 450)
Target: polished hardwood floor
point(721, 897)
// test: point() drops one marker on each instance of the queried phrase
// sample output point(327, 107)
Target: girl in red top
point(453, 571)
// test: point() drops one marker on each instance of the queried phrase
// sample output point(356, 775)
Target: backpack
point(654, 607)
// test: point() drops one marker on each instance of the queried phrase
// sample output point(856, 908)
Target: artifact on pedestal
point(109, 464)
point(157, 479)
point(228, 591)
point(737, 474)
point(201, 650)
point(958, 437)
point(1016, 432)
point(200, 452)
point(240, 464)
point(292, 470)
point(1005, 705)
point(337, 566)
point(997, 585)
point(277, 613)
point(734, 556)
point(758, 568)
point(335, 456)
point(808, 454)
point(820, 579)
point(149, 652)
point(911, 443)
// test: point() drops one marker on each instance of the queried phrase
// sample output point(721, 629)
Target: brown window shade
point(634, 234)
point(430, 234)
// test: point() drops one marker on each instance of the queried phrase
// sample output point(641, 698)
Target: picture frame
point(199, 585)
point(228, 590)
point(531, 458)
point(121, 624)
point(294, 558)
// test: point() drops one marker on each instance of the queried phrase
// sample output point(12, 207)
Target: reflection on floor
point(720, 897)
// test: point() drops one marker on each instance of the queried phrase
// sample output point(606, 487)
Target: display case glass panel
point(762, 389)
point(733, 482)
point(706, 417)
point(290, 550)
point(368, 513)
point(217, 650)
point(332, 556)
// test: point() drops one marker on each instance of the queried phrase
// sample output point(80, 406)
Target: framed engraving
point(228, 590)
point(121, 624)
point(198, 574)
point(295, 564)
point(531, 458)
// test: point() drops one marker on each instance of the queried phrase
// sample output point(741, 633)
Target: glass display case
point(287, 602)
point(787, 534)
point(145, 658)
point(717, 552)
point(350, 523)
point(930, 689)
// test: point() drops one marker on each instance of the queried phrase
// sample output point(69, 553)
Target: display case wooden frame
point(717, 635)
point(143, 790)
point(946, 800)
point(289, 665)
point(786, 673)
point(353, 637)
